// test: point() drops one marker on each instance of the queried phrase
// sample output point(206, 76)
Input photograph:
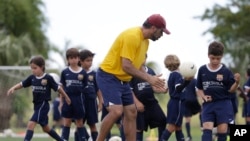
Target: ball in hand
point(187, 69)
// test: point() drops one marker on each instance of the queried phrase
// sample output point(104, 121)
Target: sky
point(94, 24)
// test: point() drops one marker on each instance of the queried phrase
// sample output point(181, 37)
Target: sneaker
point(188, 139)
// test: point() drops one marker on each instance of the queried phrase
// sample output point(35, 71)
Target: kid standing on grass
point(175, 106)
point(92, 106)
point(149, 112)
point(41, 83)
point(192, 106)
point(74, 81)
point(215, 82)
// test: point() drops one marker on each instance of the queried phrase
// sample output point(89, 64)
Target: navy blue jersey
point(190, 91)
point(215, 83)
point(74, 83)
point(174, 80)
point(143, 90)
point(41, 87)
point(247, 86)
point(92, 88)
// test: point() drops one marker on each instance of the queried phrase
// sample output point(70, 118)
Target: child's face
point(73, 61)
point(87, 63)
point(214, 60)
point(36, 70)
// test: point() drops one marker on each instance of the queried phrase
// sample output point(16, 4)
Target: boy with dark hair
point(92, 92)
point(147, 106)
point(74, 80)
point(214, 83)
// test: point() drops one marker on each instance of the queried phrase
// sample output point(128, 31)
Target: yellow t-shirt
point(129, 44)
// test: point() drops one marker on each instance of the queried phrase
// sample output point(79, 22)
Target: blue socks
point(29, 135)
point(94, 135)
point(188, 129)
point(165, 135)
point(206, 135)
point(65, 133)
point(139, 136)
point(179, 135)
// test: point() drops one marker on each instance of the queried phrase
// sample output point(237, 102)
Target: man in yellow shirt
point(123, 61)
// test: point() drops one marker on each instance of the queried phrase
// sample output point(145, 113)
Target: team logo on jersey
point(91, 77)
point(44, 81)
point(219, 77)
point(80, 77)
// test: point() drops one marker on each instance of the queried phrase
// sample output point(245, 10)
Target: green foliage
point(230, 25)
point(22, 21)
point(22, 35)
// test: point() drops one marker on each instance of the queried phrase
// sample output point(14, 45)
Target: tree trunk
point(5, 109)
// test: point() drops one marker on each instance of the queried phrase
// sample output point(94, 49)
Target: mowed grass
point(150, 135)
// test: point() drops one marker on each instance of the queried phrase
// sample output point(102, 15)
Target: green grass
point(195, 127)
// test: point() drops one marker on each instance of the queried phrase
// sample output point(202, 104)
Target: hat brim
point(166, 31)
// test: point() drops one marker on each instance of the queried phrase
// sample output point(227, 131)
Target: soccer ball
point(187, 69)
point(55, 77)
point(115, 138)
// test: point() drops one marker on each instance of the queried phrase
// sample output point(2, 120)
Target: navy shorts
point(152, 117)
point(76, 109)
point(91, 111)
point(114, 91)
point(40, 114)
point(175, 110)
point(220, 111)
point(191, 108)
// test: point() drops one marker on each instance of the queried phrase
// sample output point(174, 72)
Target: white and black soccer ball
point(115, 138)
point(55, 77)
point(188, 69)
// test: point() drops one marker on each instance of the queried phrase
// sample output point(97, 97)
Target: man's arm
point(155, 81)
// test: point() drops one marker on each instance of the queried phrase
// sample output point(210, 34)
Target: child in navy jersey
point(92, 93)
point(192, 106)
point(41, 83)
point(214, 83)
point(149, 112)
point(246, 89)
point(175, 107)
point(74, 80)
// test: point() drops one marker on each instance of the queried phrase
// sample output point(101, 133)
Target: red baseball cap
point(158, 21)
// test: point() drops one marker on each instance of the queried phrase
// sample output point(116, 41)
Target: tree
point(22, 28)
point(230, 25)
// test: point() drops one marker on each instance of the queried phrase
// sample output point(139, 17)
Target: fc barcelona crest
point(219, 77)
point(91, 77)
point(80, 77)
point(44, 81)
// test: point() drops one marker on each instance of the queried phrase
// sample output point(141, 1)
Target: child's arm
point(205, 98)
point(13, 88)
point(64, 95)
point(100, 100)
point(236, 84)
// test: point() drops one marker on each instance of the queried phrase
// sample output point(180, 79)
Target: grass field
point(195, 129)
point(150, 134)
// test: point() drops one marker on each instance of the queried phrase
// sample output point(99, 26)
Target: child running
point(41, 83)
